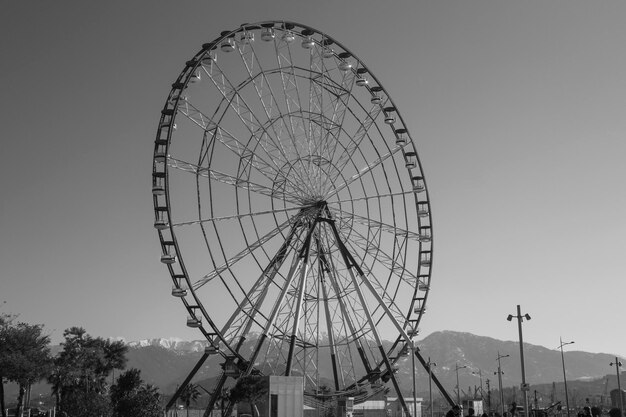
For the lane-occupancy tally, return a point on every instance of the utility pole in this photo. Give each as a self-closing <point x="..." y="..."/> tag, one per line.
<point x="619" y="386"/>
<point x="500" y="383"/>
<point x="564" y="375"/>
<point x="488" y="396"/>
<point x="458" y="387"/>
<point x="524" y="387"/>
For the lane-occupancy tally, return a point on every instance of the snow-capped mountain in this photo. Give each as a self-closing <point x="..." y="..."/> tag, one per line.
<point x="172" y="343"/>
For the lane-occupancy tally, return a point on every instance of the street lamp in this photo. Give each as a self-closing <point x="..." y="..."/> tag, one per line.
<point x="480" y="375"/>
<point x="524" y="386"/>
<point x="458" y="387"/>
<point x="430" y="384"/>
<point x="413" y="347"/>
<point x="619" y="386"/>
<point x="564" y="378"/>
<point x="500" y="382"/>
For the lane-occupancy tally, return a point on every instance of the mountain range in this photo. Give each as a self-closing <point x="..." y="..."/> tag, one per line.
<point x="166" y="362"/>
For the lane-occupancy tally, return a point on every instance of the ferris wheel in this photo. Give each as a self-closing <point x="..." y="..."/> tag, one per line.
<point x="292" y="210"/>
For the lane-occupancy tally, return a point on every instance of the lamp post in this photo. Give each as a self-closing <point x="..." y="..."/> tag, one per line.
<point x="414" y="385"/>
<point x="524" y="386"/>
<point x="458" y="387"/>
<point x="619" y="386"/>
<point x="500" y="382"/>
<point x="564" y="377"/>
<point x="480" y="375"/>
<point x="430" y="385"/>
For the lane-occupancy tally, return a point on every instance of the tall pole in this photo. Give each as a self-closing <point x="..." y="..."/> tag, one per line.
<point x="488" y="396"/>
<point x="524" y="386"/>
<point x="458" y="387"/>
<point x="564" y="377"/>
<point x="430" y="385"/>
<point x="414" y="385"/>
<point x="521" y="352"/>
<point x="500" y="383"/>
<point x="619" y="386"/>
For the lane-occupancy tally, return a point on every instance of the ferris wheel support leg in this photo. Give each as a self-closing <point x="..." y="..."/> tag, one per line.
<point x="344" y="312"/>
<point x="216" y="394"/>
<point x="350" y="263"/>
<point x="182" y="386"/>
<point x="270" y="322"/>
<point x="434" y="378"/>
<point x="296" y="321"/>
<point x="267" y="276"/>
<point x="379" y="299"/>
<point x="368" y="284"/>
<point x="329" y="324"/>
<point x="304" y="255"/>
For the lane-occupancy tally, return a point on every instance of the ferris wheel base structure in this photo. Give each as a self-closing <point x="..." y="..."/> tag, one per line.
<point x="292" y="212"/>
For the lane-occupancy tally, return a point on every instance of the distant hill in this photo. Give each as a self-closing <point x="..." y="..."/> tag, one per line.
<point x="585" y="371"/>
<point x="166" y="362"/>
<point x="542" y="365"/>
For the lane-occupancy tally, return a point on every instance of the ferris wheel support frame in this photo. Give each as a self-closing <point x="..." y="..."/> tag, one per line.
<point x="354" y="320"/>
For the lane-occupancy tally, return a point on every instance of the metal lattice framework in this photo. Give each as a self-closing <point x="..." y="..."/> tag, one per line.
<point x="292" y="210"/>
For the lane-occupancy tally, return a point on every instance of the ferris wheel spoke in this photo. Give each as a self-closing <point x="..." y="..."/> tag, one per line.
<point x="327" y="103"/>
<point x="316" y="125"/>
<point x="356" y="139"/>
<point x="256" y="296"/>
<point x="196" y="116"/>
<point x="365" y="170"/>
<point x="230" y="180"/>
<point x="238" y="216"/>
<point x="395" y="265"/>
<point x="382" y="290"/>
<point x="296" y="113"/>
<point x="372" y="246"/>
<point x="371" y="197"/>
<point x="345" y="216"/>
<point x="265" y="93"/>
<point x="248" y="250"/>
<point x="227" y="139"/>
<point x="270" y="144"/>
<point x="339" y="96"/>
<point x="291" y="92"/>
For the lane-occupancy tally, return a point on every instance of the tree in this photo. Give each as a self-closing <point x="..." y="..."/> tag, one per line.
<point x="25" y="356"/>
<point x="190" y="395"/>
<point x="251" y="389"/>
<point x="131" y="397"/>
<point x="5" y="321"/>
<point x="81" y="369"/>
<point x="78" y="403"/>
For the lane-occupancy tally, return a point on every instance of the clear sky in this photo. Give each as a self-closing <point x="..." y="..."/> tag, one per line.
<point x="517" y="108"/>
